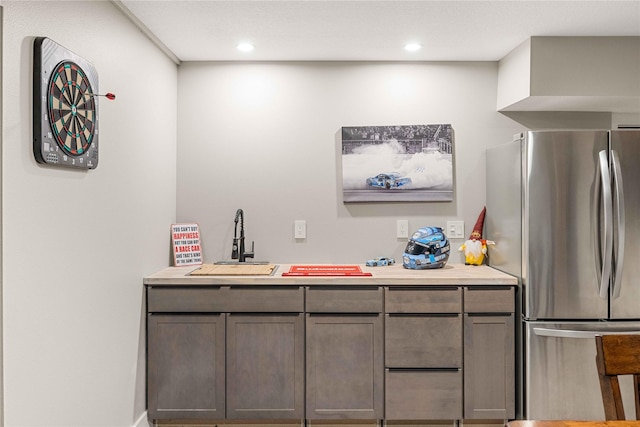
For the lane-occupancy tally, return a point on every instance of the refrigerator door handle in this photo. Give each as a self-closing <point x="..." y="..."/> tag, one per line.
<point x="607" y="245"/>
<point x="567" y="333"/>
<point x="620" y="222"/>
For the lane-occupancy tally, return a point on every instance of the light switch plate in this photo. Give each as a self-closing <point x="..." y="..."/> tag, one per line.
<point x="402" y="229"/>
<point x="455" y="229"/>
<point x="300" y="229"/>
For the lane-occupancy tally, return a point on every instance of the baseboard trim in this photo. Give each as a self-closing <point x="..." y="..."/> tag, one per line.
<point x="142" y="421"/>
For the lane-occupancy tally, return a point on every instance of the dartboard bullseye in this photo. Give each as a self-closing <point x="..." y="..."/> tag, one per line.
<point x="65" y="107"/>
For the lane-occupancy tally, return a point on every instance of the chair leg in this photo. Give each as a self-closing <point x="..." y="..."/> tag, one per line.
<point x="615" y="388"/>
<point x="611" y="411"/>
<point x="636" y="391"/>
<point x="609" y="388"/>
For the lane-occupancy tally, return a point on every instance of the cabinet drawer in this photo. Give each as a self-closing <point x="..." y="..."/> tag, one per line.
<point x="489" y="300"/>
<point x="423" y="341"/>
<point x="186" y="300"/>
<point x="439" y="300"/>
<point x="423" y="395"/>
<point x="333" y="300"/>
<point x="224" y="299"/>
<point x="261" y="299"/>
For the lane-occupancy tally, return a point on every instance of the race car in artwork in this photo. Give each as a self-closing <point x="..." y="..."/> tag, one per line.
<point x="380" y="262"/>
<point x="388" y="180"/>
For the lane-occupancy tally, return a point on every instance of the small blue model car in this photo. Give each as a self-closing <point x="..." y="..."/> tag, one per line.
<point x="380" y="262"/>
<point x="388" y="180"/>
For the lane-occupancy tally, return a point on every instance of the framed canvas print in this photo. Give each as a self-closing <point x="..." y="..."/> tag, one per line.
<point x="408" y="163"/>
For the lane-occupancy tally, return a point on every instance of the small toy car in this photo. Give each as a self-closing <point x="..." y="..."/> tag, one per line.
<point x="380" y="262"/>
<point x="388" y="180"/>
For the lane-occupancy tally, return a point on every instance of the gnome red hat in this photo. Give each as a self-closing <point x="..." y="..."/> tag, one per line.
<point x="476" y="234"/>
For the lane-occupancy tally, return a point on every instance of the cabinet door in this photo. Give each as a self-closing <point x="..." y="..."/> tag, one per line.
<point x="489" y="378"/>
<point x="344" y="367"/>
<point x="186" y="366"/>
<point x="265" y="366"/>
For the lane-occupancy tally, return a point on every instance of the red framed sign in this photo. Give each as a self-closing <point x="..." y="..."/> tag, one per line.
<point x="185" y="243"/>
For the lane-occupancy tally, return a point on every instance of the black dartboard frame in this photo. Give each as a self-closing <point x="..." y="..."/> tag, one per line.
<point x="65" y="108"/>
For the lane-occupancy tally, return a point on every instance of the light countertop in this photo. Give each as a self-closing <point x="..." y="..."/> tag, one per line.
<point x="450" y="274"/>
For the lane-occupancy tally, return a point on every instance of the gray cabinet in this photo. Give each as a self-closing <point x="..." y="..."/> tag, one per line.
<point x="344" y="354"/>
<point x="265" y="366"/>
<point x="186" y="366"/>
<point x="240" y="357"/>
<point x="265" y="352"/>
<point x="489" y="357"/>
<point x="330" y="353"/>
<point x="423" y="353"/>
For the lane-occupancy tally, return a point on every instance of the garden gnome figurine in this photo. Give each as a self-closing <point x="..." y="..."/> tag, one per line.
<point x="475" y="248"/>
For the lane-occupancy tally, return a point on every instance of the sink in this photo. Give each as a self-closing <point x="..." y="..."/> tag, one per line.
<point x="232" y="262"/>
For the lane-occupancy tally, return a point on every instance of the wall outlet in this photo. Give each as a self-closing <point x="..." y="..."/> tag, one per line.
<point x="402" y="229"/>
<point x="300" y="229"/>
<point x="455" y="229"/>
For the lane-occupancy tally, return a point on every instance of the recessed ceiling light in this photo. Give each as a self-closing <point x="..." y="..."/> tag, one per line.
<point x="412" y="47"/>
<point x="245" y="47"/>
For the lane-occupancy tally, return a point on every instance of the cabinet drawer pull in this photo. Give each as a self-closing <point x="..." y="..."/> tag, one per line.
<point x="501" y="314"/>
<point x="264" y="287"/>
<point x="489" y="288"/>
<point x="423" y="288"/>
<point x="327" y="314"/>
<point x="423" y="314"/>
<point x="343" y="288"/>
<point x="423" y="369"/>
<point x="183" y="314"/>
<point x="286" y="313"/>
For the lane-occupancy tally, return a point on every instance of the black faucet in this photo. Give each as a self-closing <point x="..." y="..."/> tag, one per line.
<point x="237" y="250"/>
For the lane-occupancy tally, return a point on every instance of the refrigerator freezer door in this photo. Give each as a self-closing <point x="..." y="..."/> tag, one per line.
<point x="625" y="301"/>
<point x="561" y="379"/>
<point x="562" y="210"/>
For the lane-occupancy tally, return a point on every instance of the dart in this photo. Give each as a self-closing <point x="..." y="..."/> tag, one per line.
<point x="107" y="95"/>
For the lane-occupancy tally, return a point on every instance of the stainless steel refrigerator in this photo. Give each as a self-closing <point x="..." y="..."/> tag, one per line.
<point x="564" y="210"/>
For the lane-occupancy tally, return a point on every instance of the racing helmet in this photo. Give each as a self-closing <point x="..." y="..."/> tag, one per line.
<point x="427" y="248"/>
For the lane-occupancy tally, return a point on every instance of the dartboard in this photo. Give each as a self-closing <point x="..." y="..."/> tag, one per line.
<point x="72" y="109"/>
<point x="65" y="107"/>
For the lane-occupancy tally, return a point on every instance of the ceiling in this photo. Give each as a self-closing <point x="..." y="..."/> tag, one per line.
<point x="361" y="30"/>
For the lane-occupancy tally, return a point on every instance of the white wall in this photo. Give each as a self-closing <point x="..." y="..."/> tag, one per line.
<point x="265" y="137"/>
<point x="77" y="244"/>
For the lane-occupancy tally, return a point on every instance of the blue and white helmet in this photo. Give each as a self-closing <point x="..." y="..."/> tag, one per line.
<point x="427" y="248"/>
